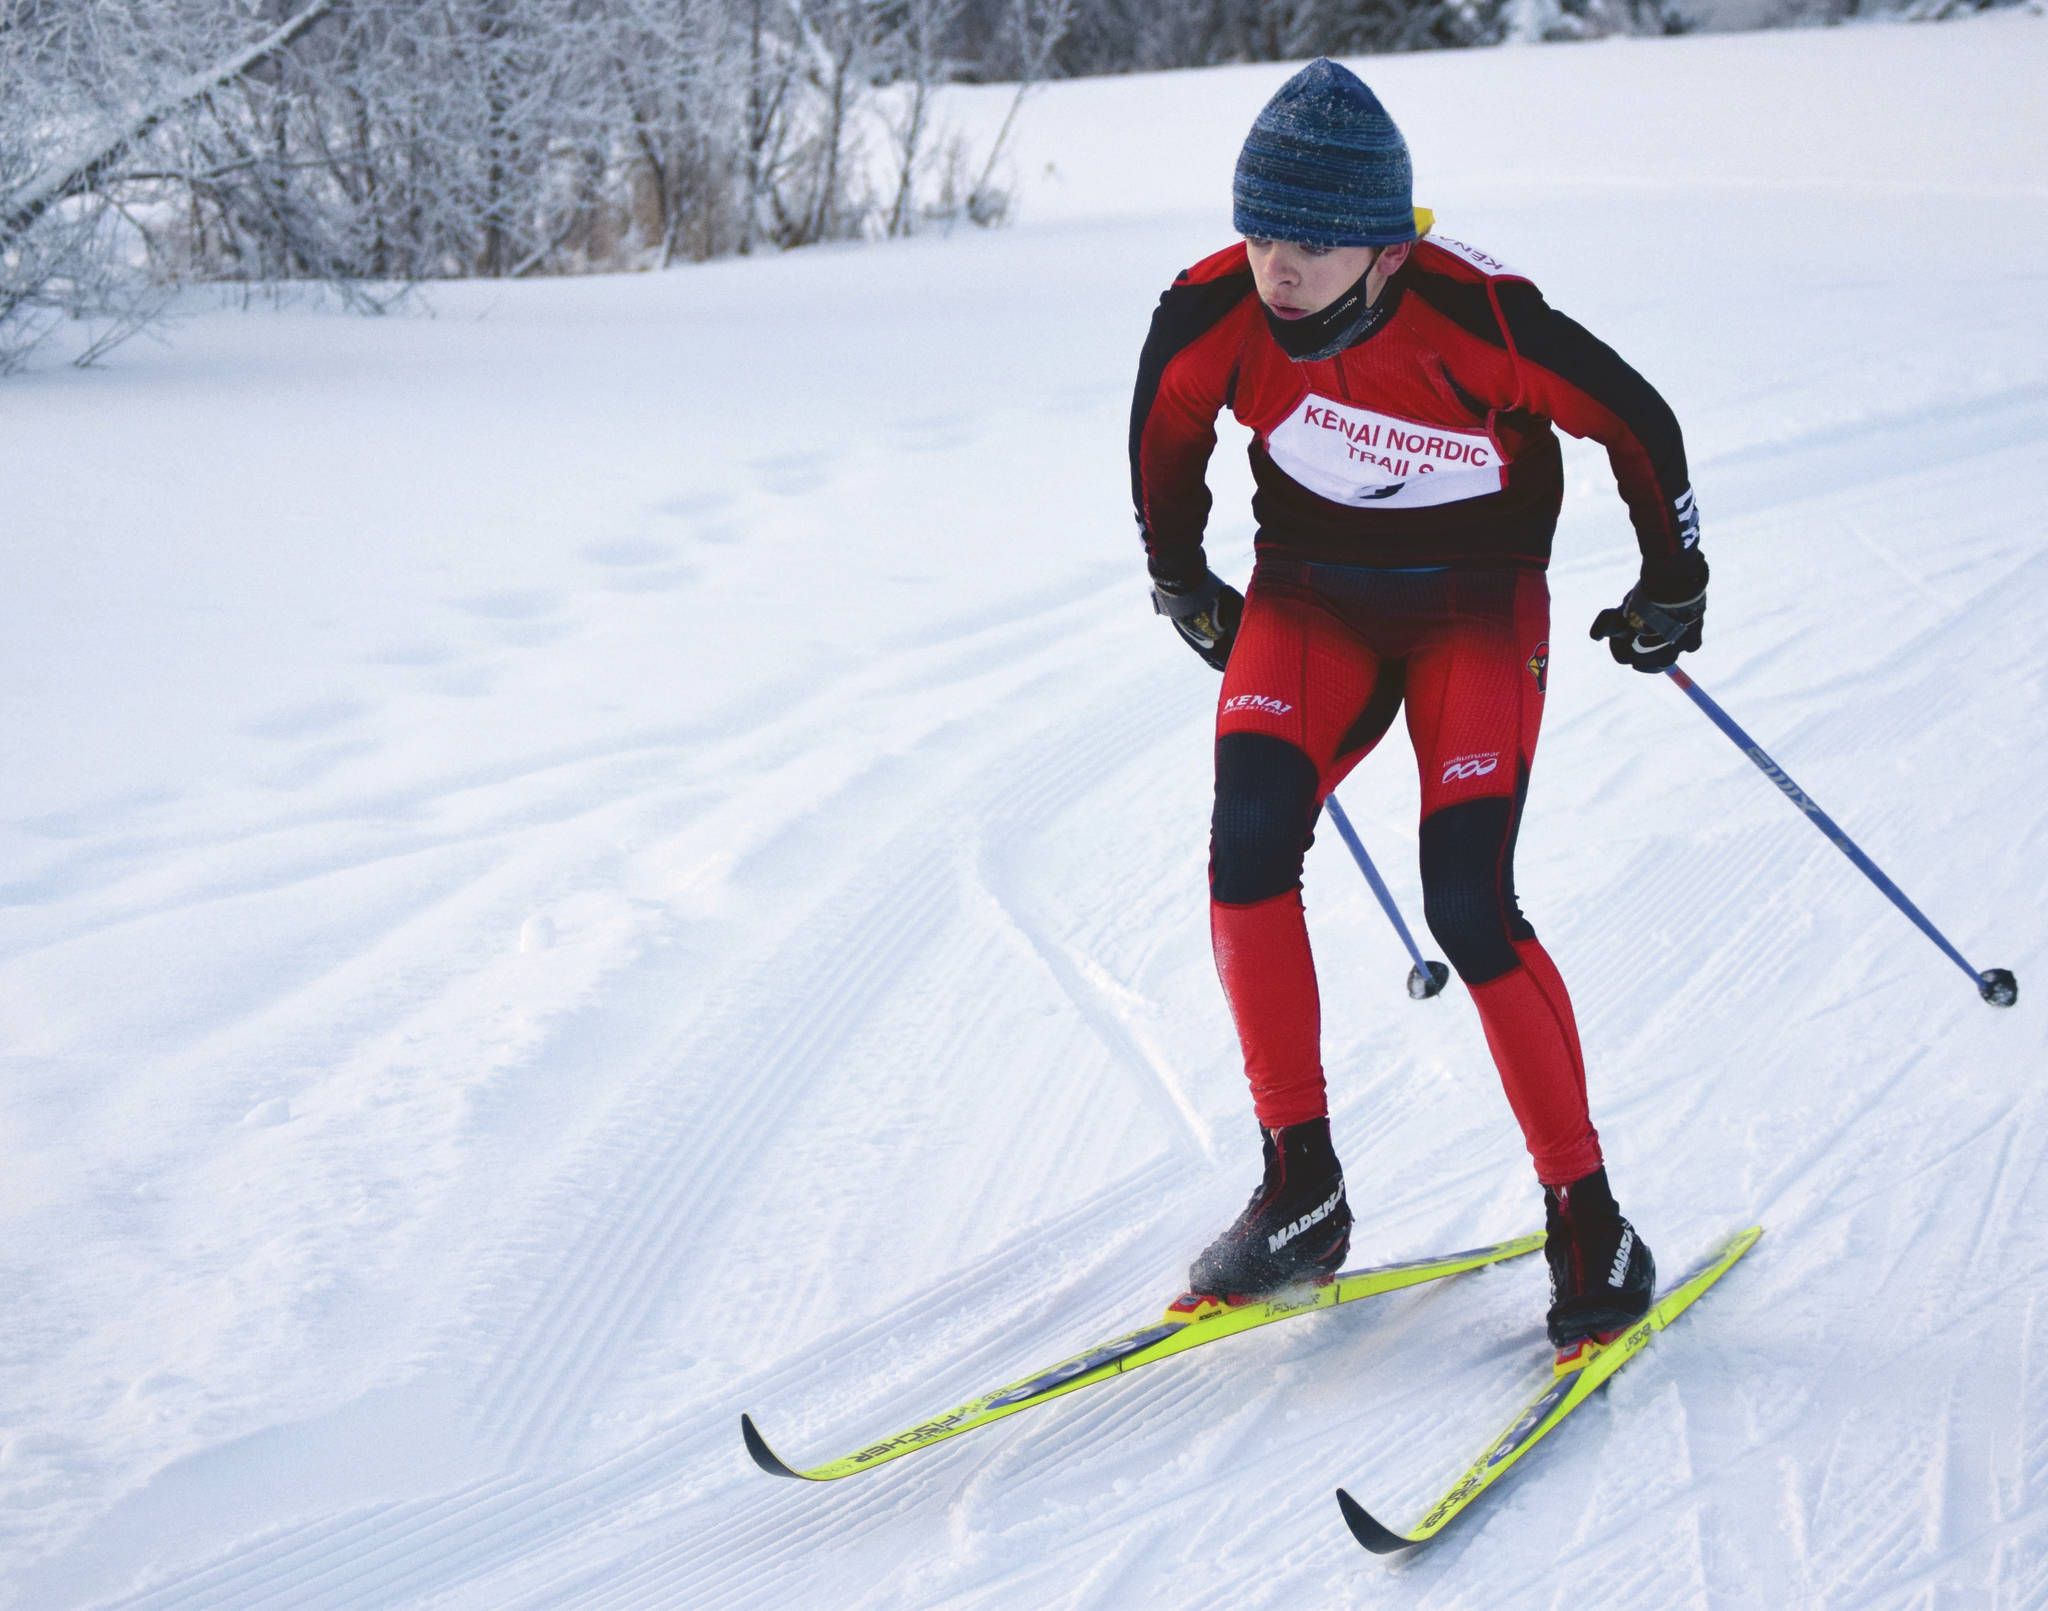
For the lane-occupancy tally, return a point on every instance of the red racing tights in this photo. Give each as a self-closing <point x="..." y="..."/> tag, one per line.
<point x="1325" y="658"/>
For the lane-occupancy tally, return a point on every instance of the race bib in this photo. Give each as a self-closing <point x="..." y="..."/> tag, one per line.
<point x="1354" y="456"/>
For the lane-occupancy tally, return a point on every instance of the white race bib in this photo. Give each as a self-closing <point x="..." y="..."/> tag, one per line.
<point x="1354" y="456"/>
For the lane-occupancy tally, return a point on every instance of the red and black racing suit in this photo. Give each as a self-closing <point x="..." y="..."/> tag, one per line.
<point x="1407" y="491"/>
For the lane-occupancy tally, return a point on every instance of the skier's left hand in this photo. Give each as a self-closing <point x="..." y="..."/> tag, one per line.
<point x="1650" y="634"/>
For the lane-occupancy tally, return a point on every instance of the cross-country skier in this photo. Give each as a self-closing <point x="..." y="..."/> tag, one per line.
<point x="1401" y="389"/>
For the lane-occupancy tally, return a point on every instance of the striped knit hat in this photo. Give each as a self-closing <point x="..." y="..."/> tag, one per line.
<point x="1325" y="166"/>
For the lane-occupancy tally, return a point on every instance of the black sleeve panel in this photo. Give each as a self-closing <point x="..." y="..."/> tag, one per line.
<point x="1580" y="382"/>
<point x="1464" y="302"/>
<point x="1173" y="425"/>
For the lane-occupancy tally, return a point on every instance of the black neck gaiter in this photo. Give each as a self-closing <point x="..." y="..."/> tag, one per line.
<point x="1344" y="323"/>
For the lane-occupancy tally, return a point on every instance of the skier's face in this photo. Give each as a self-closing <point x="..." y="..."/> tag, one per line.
<point x="1296" y="280"/>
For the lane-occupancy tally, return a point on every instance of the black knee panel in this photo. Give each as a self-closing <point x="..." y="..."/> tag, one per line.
<point x="1468" y="886"/>
<point x="1265" y="811"/>
<point x="1381" y="707"/>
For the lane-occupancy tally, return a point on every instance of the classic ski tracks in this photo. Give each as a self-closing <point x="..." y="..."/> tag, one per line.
<point x="551" y="1371"/>
<point x="616" y="1274"/>
<point x="856" y="948"/>
<point x="380" y="1555"/>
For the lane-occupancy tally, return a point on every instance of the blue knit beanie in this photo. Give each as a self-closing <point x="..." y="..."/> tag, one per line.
<point x="1325" y="166"/>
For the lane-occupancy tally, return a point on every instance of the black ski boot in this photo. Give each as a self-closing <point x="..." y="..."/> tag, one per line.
<point x="1295" y="1229"/>
<point x="1601" y="1275"/>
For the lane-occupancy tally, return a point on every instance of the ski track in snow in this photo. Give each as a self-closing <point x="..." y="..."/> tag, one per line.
<point x="520" y="962"/>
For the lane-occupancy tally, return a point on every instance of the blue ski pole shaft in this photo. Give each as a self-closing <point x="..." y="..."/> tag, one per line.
<point x="1428" y="977"/>
<point x="1995" y="985"/>
<point x="1372" y="875"/>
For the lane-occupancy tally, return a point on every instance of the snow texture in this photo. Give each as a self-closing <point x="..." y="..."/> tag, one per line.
<point x="631" y="849"/>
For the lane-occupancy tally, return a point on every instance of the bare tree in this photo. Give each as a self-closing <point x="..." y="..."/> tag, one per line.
<point x="841" y="45"/>
<point x="1035" y="29"/>
<point x="678" y="65"/>
<point x="918" y="51"/>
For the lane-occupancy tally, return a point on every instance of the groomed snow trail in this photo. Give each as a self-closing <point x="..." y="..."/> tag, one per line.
<point x="630" y="850"/>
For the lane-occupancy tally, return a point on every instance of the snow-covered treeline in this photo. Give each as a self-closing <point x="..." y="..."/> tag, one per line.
<point x="1117" y="36"/>
<point x="393" y="140"/>
<point x="374" y="142"/>
<point x="1114" y="36"/>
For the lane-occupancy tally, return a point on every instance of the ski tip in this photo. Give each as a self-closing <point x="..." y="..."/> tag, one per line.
<point x="1380" y="1540"/>
<point x="764" y="1457"/>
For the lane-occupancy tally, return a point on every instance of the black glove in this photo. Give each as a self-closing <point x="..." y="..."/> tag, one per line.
<point x="1649" y="634"/>
<point x="1206" y="615"/>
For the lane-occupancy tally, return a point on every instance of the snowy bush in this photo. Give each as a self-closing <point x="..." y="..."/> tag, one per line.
<point x="363" y="141"/>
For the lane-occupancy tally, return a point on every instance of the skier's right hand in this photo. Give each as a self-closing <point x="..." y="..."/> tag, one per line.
<point x="1206" y="615"/>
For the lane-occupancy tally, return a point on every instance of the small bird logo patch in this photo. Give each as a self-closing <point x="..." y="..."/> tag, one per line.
<point x="1539" y="667"/>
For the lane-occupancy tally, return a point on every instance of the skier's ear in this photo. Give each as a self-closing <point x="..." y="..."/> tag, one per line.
<point x="1392" y="257"/>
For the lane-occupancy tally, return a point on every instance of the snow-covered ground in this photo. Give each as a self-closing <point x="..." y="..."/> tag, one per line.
<point x="631" y="850"/>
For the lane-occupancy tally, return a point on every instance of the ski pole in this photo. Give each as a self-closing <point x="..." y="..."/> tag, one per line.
<point x="1425" y="979"/>
<point x="1995" y="985"/>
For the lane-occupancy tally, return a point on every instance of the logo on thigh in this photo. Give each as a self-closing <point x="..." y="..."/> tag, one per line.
<point x="1539" y="666"/>
<point x="1470" y="766"/>
<point x="1256" y="704"/>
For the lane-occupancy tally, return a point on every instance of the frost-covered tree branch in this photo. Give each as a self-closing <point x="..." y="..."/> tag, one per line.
<point x="21" y="206"/>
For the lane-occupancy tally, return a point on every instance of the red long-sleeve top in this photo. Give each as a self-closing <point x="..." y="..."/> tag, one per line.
<point x="1428" y="442"/>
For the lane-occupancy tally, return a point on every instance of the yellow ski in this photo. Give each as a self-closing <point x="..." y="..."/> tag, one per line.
<point x="1549" y="1407"/>
<point x="1173" y="1335"/>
